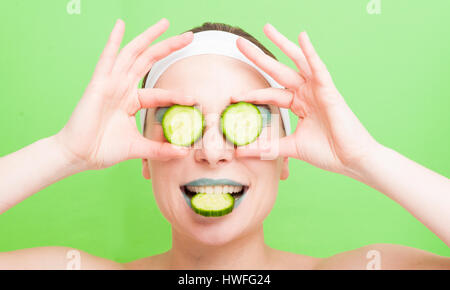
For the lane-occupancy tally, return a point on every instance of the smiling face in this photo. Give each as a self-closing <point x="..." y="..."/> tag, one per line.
<point x="212" y="80"/>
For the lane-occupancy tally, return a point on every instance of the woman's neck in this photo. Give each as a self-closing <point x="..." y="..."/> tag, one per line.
<point x="247" y="252"/>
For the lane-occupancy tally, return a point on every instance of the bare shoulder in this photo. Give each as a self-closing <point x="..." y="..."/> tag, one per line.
<point x="156" y="262"/>
<point x="54" y="258"/>
<point x="385" y="257"/>
<point x="283" y="260"/>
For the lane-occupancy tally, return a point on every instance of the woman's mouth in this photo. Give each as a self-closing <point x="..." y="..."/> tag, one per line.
<point x="216" y="187"/>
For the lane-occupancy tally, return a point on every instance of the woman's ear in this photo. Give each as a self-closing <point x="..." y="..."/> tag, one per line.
<point x="145" y="171"/>
<point x="285" y="169"/>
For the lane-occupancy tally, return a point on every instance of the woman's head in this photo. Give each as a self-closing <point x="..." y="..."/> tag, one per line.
<point x="212" y="80"/>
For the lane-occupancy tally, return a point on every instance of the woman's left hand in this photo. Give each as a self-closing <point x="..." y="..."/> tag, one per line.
<point x="328" y="135"/>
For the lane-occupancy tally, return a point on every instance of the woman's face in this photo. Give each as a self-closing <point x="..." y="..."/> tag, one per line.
<point x="212" y="80"/>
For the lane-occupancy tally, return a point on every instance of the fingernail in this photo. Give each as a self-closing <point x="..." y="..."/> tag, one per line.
<point x="243" y="39"/>
<point x="162" y="20"/>
<point x="186" y="33"/>
<point x="181" y="150"/>
<point x="117" y="22"/>
<point x="189" y="99"/>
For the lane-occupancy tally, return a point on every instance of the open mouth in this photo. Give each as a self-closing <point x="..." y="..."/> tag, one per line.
<point x="214" y="188"/>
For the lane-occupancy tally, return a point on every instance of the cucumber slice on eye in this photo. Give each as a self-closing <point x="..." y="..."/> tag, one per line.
<point x="212" y="204"/>
<point x="182" y="125"/>
<point x="241" y="123"/>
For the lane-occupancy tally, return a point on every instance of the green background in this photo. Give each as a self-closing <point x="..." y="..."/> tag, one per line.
<point x="392" y="68"/>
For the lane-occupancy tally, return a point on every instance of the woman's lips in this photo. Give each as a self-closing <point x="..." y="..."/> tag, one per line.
<point x="210" y="186"/>
<point x="210" y="181"/>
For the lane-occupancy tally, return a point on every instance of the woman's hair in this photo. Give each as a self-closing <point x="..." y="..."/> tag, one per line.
<point x="227" y="28"/>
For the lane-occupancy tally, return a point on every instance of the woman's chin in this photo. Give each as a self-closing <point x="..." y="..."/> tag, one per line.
<point x="215" y="231"/>
<point x="215" y="234"/>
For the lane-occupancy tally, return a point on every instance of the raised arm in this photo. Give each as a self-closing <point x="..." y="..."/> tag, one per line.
<point x="102" y="129"/>
<point x="100" y="133"/>
<point x="33" y="168"/>
<point x="329" y="135"/>
<point x="424" y="193"/>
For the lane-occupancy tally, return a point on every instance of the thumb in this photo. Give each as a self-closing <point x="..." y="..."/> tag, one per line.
<point x="261" y="148"/>
<point x="145" y="148"/>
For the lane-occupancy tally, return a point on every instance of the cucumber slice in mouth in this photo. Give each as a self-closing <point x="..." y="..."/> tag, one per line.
<point x="241" y="123"/>
<point x="182" y="125"/>
<point x="213" y="204"/>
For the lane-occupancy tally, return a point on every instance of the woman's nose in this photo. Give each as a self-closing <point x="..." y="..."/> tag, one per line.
<point x="213" y="150"/>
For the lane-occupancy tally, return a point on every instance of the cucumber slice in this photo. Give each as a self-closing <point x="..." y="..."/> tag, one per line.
<point x="212" y="204"/>
<point x="241" y="123"/>
<point x="182" y="125"/>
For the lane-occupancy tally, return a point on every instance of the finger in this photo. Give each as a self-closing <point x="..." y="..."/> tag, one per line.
<point x="146" y="148"/>
<point x="283" y="74"/>
<point x="274" y="96"/>
<point x="318" y="68"/>
<point x="108" y="56"/>
<point x="280" y="147"/>
<point x="132" y="50"/>
<point x="158" y="51"/>
<point x="283" y="98"/>
<point x="155" y="97"/>
<point x="293" y="51"/>
<point x="257" y="149"/>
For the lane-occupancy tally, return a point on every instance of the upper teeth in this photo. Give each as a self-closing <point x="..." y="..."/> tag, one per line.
<point x="215" y="189"/>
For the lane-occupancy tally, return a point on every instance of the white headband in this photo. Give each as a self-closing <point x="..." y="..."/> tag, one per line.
<point x="210" y="42"/>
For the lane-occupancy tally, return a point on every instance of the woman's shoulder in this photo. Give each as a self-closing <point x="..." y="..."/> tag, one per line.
<point x="156" y="262"/>
<point x="384" y="257"/>
<point x="370" y="257"/>
<point x="283" y="260"/>
<point x="53" y="258"/>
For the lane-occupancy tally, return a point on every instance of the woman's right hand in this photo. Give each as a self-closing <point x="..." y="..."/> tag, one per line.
<point x="102" y="130"/>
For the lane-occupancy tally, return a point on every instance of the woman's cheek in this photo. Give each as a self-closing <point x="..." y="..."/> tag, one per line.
<point x="258" y="166"/>
<point x="157" y="133"/>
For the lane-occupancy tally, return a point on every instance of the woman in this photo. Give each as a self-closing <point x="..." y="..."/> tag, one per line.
<point x="102" y="132"/>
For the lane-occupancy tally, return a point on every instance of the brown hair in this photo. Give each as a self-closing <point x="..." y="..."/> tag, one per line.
<point x="227" y="28"/>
